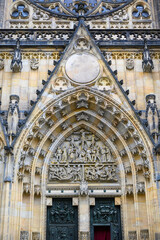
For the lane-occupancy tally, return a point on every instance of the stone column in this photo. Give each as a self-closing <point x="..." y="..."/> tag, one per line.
<point x="157" y="12"/>
<point x="84" y="217"/>
<point x="2" y="6"/>
<point x="6" y="195"/>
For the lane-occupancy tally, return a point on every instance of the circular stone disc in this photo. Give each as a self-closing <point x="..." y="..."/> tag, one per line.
<point x="82" y="67"/>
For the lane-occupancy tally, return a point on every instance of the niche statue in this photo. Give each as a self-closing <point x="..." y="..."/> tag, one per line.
<point x="147" y="63"/>
<point x="16" y="64"/>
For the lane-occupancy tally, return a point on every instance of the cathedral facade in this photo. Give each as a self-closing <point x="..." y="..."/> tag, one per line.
<point x="79" y="120"/>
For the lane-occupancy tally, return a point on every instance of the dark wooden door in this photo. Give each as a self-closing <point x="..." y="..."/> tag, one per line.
<point x="62" y="220"/>
<point x="106" y="214"/>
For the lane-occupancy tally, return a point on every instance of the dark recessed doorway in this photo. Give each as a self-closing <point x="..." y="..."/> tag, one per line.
<point x="102" y="233"/>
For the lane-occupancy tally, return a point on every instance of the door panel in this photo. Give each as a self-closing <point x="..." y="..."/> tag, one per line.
<point x="62" y="220"/>
<point x="105" y="213"/>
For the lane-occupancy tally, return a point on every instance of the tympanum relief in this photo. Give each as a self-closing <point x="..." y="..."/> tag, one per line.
<point x="83" y="156"/>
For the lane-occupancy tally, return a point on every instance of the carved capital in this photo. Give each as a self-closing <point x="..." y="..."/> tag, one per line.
<point x="132" y="235"/>
<point x="24" y="235"/>
<point x="144" y="234"/>
<point x="84" y="235"/>
<point x="35" y="236"/>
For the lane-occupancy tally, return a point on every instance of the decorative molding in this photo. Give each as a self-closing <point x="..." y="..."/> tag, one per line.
<point x="62" y="36"/>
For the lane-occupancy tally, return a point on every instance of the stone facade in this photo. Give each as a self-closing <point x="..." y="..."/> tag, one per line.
<point x="79" y="120"/>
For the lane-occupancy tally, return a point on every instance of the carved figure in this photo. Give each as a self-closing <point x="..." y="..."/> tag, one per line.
<point x="24" y="235"/>
<point x="147" y="63"/>
<point x="35" y="236"/>
<point x="13" y="115"/>
<point x="144" y="234"/>
<point x="152" y="115"/>
<point x="16" y="64"/>
<point x="100" y="172"/>
<point x="64" y="173"/>
<point x="130" y="63"/>
<point x="132" y="235"/>
<point x="84" y="188"/>
<point x="34" y="64"/>
<point x="82" y="147"/>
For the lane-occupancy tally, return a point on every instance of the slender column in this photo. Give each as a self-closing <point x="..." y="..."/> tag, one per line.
<point x="2" y="5"/>
<point x="6" y="201"/>
<point x="157" y="11"/>
<point x="84" y="217"/>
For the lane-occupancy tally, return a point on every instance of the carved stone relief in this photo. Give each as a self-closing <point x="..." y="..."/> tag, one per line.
<point x="141" y="187"/>
<point x="24" y="235"/>
<point x="35" y="236"/>
<point x="34" y="64"/>
<point x="1" y="64"/>
<point x="82" y="156"/>
<point x="13" y="115"/>
<point x="147" y="63"/>
<point x="16" y="64"/>
<point x="84" y="235"/>
<point x="39" y="15"/>
<point x="130" y="63"/>
<point x="84" y="188"/>
<point x="82" y="44"/>
<point x="60" y="83"/>
<point x="132" y="235"/>
<point x="144" y="234"/>
<point x="129" y="189"/>
<point x="101" y="172"/>
<point x="121" y="15"/>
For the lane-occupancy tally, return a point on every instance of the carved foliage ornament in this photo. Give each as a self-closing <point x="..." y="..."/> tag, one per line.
<point x="75" y="9"/>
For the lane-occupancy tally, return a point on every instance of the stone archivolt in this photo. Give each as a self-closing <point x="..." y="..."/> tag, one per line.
<point x="82" y="155"/>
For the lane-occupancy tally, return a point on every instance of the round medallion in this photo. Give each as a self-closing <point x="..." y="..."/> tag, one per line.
<point x="82" y="67"/>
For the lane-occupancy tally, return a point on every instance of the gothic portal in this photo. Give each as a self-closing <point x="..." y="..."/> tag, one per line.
<point x="80" y="120"/>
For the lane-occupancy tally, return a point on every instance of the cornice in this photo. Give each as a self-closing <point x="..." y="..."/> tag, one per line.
<point x="130" y="38"/>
